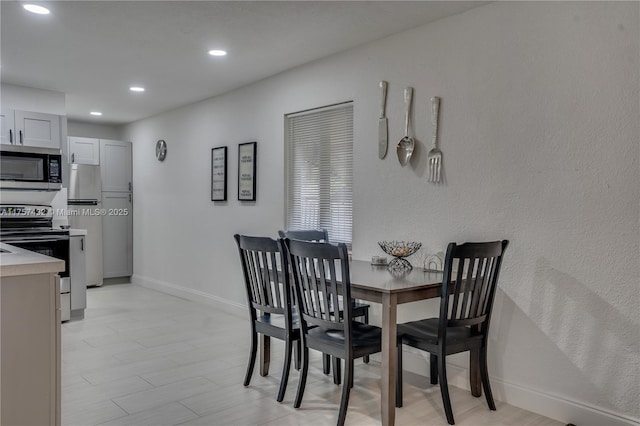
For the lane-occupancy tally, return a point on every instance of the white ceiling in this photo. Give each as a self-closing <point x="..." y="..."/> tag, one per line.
<point x="94" y="50"/>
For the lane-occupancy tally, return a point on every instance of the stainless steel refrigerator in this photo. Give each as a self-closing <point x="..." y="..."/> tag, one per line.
<point x="85" y="212"/>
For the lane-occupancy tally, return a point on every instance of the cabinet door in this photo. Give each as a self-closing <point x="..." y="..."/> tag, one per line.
<point x="7" y="130"/>
<point x="84" y="151"/>
<point x="115" y="166"/>
<point x="117" y="234"/>
<point x="78" y="272"/>
<point x="37" y="129"/>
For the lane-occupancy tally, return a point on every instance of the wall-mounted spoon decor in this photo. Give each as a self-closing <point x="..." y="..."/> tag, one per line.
<point x="406" y="145"/>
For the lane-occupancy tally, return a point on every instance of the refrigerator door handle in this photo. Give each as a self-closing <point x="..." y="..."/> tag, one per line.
<point x="82" y="202"/>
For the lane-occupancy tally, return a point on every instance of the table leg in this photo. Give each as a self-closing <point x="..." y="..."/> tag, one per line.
<point x="474" y="373"/>
<point x="389" y="359"/>
<point x="265" y="354"/>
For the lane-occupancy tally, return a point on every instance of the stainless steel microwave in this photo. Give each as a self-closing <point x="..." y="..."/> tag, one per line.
<point x="30" y="168"/>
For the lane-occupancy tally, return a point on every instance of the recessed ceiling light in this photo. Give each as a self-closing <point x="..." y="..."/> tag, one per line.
<point x="216" y="52"/>
<point x="34" y="8"/>
<point x="136" y="89"/>
<point x="95" y="113"/>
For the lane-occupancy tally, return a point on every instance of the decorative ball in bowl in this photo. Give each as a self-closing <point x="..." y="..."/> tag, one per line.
<point x="399" y="250"/>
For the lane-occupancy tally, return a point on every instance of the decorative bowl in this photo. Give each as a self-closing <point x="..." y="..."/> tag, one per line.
<point x="399" y="250"/>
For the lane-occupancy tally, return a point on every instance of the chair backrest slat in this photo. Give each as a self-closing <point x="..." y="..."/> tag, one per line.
<point x="467" y="299"/>
<point x="317" y="283"/>
<point x="268" y="289"/>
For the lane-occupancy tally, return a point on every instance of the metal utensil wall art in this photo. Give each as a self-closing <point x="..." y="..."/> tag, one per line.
<point x="383" y="132"/>
<point x="434" y="157"/>
<point x="406" y="145"/>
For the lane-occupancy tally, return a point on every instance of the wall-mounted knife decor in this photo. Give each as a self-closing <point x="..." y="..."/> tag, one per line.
<point x="383" y="131"/>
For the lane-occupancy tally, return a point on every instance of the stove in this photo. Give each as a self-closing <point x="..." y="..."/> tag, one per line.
<point x="29" y="226"/>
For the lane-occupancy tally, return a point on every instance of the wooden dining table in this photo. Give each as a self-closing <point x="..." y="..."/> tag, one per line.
<point x="391" y="288"/>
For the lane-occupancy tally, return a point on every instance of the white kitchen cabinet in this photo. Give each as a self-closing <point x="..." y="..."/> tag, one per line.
<point x="37" y="129"/>
<point x="116" y="166"/>
<point x="78" y="275"/>
<point x="31" y="350"/>
<point x="7" y="128"/>
<point x="117" y="234"/>
<point x="84" y="150"/>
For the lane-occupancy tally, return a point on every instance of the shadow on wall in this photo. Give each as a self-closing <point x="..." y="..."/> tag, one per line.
<point x="588" y="338"/>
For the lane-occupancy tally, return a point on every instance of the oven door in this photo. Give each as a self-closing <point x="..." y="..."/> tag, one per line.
<point x="57" y="247"/>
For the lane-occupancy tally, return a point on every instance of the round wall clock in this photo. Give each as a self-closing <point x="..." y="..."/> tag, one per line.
<point x="161" y="150"/>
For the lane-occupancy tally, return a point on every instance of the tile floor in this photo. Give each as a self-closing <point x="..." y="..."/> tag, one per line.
<point x="141" y="357"/>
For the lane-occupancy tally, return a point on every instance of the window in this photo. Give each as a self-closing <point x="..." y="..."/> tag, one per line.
<point x="319" y="170"/>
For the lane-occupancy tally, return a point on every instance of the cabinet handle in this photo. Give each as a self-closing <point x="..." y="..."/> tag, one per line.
<point x="21" y="139"/>
<point x="81" y="244"/>
<point x="10" y="136"/>
<point x="73" y="157"/>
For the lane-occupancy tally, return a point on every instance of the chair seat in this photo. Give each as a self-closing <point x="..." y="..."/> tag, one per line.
<point x="277" y="320"/>
<point x="423" y="334"/>
<point x="366" y="339"/>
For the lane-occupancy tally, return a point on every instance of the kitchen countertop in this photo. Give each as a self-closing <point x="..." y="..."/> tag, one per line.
<point x="77" y="232"/>
<point x="15" y="261"/>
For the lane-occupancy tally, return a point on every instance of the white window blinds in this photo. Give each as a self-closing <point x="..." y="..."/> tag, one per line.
<point x="319" y="170"/>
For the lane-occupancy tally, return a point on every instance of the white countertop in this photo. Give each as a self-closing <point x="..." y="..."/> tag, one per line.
<point x="16" y="261"/>
<point x="77" y="232"/>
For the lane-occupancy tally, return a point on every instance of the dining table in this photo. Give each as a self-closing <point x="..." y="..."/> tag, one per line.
<point x="390" y="288"/>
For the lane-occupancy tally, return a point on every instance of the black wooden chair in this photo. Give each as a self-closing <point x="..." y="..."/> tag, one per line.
<point x="269" y="299"/>
<point x="317" y="268"/>
<point x="468" y="289"/>
<point x="359" y="309"/>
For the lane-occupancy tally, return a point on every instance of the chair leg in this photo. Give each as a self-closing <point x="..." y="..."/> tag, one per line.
<point x="344" y="402"/>
<point x="351" y="375"/>
<point x="484" y="374"/>
<point x="444" y="387"/>
<point x="336" y="370"/>
<point x="399" y="375"/>
<point x="303" y="377"/>
<point x="298" y="353"/>
<point x="252" y="358"/>
<point x="365" y="359"/>
<point x="433" y="363"/>
<point x="285" y="370"/>
<point x="326" y="363"/>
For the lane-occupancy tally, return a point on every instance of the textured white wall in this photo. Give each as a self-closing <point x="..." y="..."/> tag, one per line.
<point x="540" y="134"/>
<point x="94" y="130"/>
<point x="30" y="99"/>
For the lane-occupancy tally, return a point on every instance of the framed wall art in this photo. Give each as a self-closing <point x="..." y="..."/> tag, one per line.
<point x="219" y="173"/>
<point x="247" y="171"/>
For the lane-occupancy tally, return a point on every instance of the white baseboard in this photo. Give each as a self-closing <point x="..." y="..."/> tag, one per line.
<point x="224" y="305"/>
<point x="552" y="406"/>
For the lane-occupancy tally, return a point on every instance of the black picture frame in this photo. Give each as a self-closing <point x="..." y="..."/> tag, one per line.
<point x="247" y="171"/>
<point x="219" y="173"/>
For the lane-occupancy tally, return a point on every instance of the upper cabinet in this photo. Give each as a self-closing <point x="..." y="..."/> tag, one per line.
<point x="34" y="129"/>
<point x="37" y="129"/>
<point x="7" y="129"/>
<point x="84" y="150"/>
<point x="116" y="166"/>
